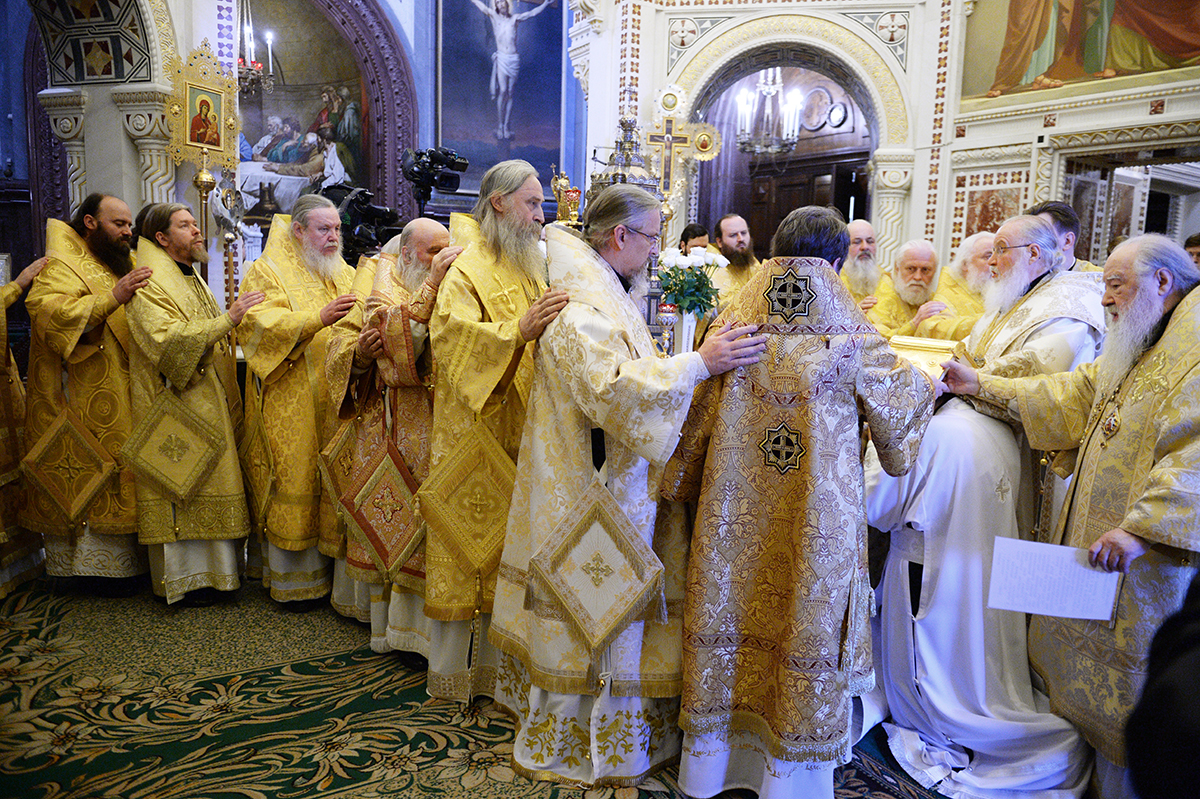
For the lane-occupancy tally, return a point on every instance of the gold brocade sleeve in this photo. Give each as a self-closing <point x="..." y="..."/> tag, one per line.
<point x="398" y="366"/>
<point x="477" y="354"/>
<point x="10" y="293"/>
<point x="891" y="315"/>
<point x="176" y="345"/>
<point x="683" y="473"/>
<point x="1165" y="511"/>
<point x="641" y="402"/>
<point x="342" y="363"/>
<point x="896" y="399"/>
<point x="949" y="328"/>
<point x="1054" y="409"/>
<point x="65" y="313"/>
<point x="272" y="333"/>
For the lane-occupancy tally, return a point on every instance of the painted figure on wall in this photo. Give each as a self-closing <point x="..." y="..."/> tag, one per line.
<point x="506" y="61"/>
<point x="1048" y="43"/>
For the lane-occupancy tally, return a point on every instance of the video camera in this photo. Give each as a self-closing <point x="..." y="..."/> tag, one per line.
<point x="432" y="169"/>
<point x="365" y="227"/>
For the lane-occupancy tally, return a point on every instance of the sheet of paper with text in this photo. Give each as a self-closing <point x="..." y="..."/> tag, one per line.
<point x="1050" y="580"/>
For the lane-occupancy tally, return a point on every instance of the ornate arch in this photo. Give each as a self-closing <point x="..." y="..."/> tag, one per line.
<point x="822" y="43"/>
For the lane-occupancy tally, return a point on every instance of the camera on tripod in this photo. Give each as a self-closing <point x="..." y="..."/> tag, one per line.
<point x="432" y="169"/>
<point x="365" y="227"/>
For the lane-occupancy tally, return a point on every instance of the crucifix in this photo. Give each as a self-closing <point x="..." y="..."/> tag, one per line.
<point x="668" y="142"/>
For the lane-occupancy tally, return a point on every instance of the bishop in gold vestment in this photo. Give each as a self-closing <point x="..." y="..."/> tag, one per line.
<point x="183" y="348"/>
<point x="21" y="553"/>
<point x="776" y="641"/>
<point x="285" y="340"/>
<point x="1128" y="427"/>
<point x="79" y="362"/>
<point x="589" y="596"/>
<point x="907" y="298"/>
<point x="484" y="373"/>
<point x="960" y="287"/>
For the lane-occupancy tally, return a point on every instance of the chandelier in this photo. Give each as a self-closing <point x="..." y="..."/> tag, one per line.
<point x="767" y="121"/>
<point x="252" y="79"/>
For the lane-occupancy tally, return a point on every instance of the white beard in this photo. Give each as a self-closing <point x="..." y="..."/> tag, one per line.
<point x="976" y="283"/>
<point x="639" y="285"/>
<point x="1127" y="339"/>
<point x="914" y="292"/>
<point x="1002" y="293"/>
<point x="862" y="275"/>
<point x="410" y="274"/>
<point x="326" y="267"/>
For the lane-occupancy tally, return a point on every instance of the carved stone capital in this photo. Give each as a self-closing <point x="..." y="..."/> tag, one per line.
<point x="143" y="112"/>
<point x="893" y="170"/>
<point x="65" y="108"/>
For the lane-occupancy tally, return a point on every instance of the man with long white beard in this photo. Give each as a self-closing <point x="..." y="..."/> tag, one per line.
<point x="183" y="354"/>
<point x="861" y="273"/>
<point x="591" y="637"/>
<point x="965" y="715"/>
<point x="284" y="339"/>
<point x="907" y="299"/>
<point x="1127" y="426"/>
<point x="381" y="381"/>
<point x="491" y="308"/>
<point x="732" y="240"/>
<point x="961" y="286"/>
<point x="79" y="367"/>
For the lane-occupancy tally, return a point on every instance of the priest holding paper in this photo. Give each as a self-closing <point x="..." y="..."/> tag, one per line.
<point x="1127" y="426"/>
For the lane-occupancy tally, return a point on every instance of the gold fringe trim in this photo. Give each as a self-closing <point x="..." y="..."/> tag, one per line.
<point x="741" y="721"/>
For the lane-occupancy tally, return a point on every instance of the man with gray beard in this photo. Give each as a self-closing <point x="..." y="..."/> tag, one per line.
<point x="961" y="286"/>
<point x="965" y="714"/>
<point x="1129" y="428"/>
<point x="906" y="300"/>
<point x="288" y="413"/>
<point x="861" y="273"/>
<point x="491" y="308"/>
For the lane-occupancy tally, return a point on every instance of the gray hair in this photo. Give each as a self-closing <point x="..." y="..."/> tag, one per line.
<point x="278" y="120"/>
<point x="616" y="205"/>
<point x="307" y="203"/>
<point x="158" y="219"/>
<point x="501" y="180"/>
<point x="1036" y="230"/>
<point x="958" y="266"/>
<point x="1154" y="252"/>
<point x="812" y="232"/>
<point x="917" y="248"/>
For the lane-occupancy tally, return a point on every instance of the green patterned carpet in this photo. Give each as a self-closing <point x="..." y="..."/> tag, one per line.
<point x="129" y="698"/>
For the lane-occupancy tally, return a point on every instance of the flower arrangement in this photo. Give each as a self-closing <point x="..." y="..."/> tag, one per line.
<point x="686" y="281"/>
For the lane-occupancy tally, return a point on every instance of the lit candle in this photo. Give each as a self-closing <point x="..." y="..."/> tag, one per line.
<point x="851" y="207"/>
<point x="270" y="37"/>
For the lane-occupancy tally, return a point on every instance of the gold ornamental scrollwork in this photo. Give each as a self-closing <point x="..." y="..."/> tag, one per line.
<point x="202" y="111"/>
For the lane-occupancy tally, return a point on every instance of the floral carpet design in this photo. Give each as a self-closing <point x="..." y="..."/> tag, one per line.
<point x="345" y="724"/>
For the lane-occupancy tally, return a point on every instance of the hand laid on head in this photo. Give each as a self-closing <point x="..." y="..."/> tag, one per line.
<point x="731" y="347"/>
<point x="441" y="263"/>
<point x="370" y="344"/>
<point x="30" y="272"/>
<point x="867" y="303"/>
<point x="128" y="285"/>
<point x="929" y="309"/>
<point x="541" y="313"/>
<point x="337" y="308"/>
<point x="1116" y="550"/>
<point x="959" y="379"/>
<point x="244" y="303"/>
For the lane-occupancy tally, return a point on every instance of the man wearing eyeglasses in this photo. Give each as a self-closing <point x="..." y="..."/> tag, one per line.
<point x="956" y="673"/>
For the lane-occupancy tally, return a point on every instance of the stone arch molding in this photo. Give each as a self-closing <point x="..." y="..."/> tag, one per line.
<point x="833" y="46"/>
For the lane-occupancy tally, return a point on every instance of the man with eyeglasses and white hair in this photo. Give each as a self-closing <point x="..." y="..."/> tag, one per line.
<point x="965" y="715"/>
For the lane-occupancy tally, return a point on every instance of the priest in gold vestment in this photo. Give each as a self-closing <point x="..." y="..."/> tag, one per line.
<point x="966" y="716"/>
<point x="731" y="238"/>
<point x="587" y="610"/>
<point x="183" y="348"/>
<point x="21" y="553"/>
<point x="907" y="298"/>
<point x="79" y="362"/>
<point x="1128" y="427"/>
<point x="960" y="287"/>
<point x="491" y="308"/>
<point x="284" y="339"/>
<point x="776" y="640"/>
<point x="861" y="272"/>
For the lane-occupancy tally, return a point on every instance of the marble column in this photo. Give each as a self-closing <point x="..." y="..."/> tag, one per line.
<point x="893" y="173"/>
<point x="144" y="115"/>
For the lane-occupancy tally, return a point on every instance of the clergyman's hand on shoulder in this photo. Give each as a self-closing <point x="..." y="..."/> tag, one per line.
<point x="731" y="347"/>
<point x="128" y="285"/>
<point x="27" y="274"/>
<point x="337" y="308"/>
<point x="441" y="264"/>
<point x="541" y="313"/>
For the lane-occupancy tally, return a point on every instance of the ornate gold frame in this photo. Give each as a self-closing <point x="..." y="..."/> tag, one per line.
<point x="202" y="79"/>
